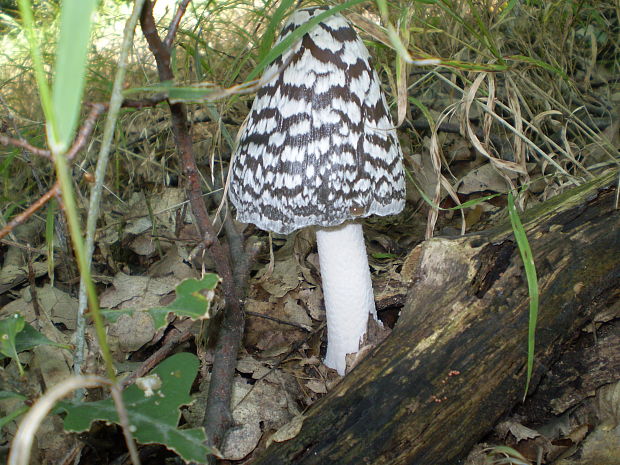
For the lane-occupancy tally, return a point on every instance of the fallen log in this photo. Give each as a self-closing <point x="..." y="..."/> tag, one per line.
<point x="456" y="360"/>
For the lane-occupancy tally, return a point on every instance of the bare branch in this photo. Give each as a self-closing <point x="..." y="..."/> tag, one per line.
<point x="174" y="24"/>
<point x="22" y="217"/>
<point x="218" y="417"/>
<point x="10" y="141"/>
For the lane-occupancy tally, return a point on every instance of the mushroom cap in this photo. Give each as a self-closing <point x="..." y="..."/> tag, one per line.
<point x="319" y="147"/>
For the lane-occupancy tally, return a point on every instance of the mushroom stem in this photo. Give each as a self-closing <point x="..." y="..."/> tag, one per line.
<point x="347" y="289"/>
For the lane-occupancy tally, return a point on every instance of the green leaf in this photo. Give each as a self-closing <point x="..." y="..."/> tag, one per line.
<point x="29" y="338"/>
<point x="12" y="416"/>
<point x="532" y="283"/>
<point x="507" y="455"/>
<point x="4" y="395"/>
<point x="17" y="336"/>
<point x="112" y="315"/>
<point x="382" y="255"/>
<point x="9" y="328"/>
<point x="193" y="299"/>
<point x="70" y="70"/>
<point x="153" y="418"/>
<point x="540" y="64"/>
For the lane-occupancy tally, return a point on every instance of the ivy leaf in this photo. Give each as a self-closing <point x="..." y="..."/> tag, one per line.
<point x="193" y="299"/>
<point x="153" y="411"/>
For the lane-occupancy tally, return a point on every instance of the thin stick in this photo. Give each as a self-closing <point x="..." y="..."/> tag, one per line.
<point x="23" y="216"/>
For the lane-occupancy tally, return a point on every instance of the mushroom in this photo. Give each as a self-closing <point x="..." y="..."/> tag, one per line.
<point x="319" y="149"/>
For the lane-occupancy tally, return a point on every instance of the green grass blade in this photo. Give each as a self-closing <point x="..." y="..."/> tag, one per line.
<point x="270" y="33"/>
<point x="540" y="64"/>
<point x="532" y="283"/>
<point x="279" y="49"/>
<point x="485" y="34"/>
<point x="70" y="70"/>
<point x="25" y="9"/>
<point x="425" y="111"/>
<point x="507" y="8"/>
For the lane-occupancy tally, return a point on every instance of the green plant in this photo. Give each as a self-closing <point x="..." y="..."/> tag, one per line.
<point x="18" y="336"/>
<point x="193" y="299"/>
<point x="532" y="284"/>
<point x="152" y="405"/>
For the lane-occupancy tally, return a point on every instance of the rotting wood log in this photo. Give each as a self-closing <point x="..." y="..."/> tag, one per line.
<point x="456" y="360"/>
<point x="590" y="363"/>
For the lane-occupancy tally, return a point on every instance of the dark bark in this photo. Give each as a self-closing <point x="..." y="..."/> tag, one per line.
<point x="592" y="362"/>
<point x="456" y="360"/>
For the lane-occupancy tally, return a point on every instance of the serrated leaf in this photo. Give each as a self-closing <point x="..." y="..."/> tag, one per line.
<point x="153" y="418"/>
<point x="193" y="299"/>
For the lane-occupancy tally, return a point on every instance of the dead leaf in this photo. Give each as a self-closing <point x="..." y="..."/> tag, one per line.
<point x="608" y="405"/>
<point x="485" y="178"/>
<point x="138" y="292"/>
<point x="285" y="277"/>
<point x="143" y="245"/>
<point x="249" y="365"/>
<point x="132" y="331"/>
<point x="515" y="428"/>
<point x="12" y="275"/>
<point x="60" y="306"/>
<point x="173" y="263"/>
<point x="288" y="431"/>
<point x="312" y="298"/>
<point x="295" y="313"/>
<point x="257" y="407"/>
<point x="316" y="386"/>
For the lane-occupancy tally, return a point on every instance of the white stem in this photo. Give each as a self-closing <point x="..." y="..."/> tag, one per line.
<point x="347" y="289"/>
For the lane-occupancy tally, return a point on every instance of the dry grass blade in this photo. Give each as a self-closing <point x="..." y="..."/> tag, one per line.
<point x="468" y="98"/>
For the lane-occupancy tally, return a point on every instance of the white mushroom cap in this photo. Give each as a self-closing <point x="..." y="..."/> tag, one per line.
<point x="319" y="147"/>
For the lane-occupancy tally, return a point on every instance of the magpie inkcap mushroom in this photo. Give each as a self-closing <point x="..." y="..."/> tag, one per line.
<point x="319" y="149"/>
